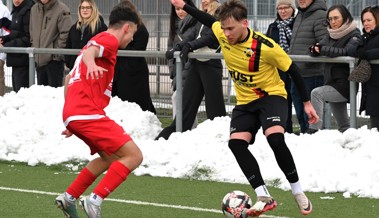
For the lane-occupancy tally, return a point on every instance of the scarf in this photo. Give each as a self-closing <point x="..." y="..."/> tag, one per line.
<point x="285" y="33"/>
<point x="343" y="30"/>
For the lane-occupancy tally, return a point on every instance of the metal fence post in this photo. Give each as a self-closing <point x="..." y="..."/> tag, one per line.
<point x="179" y="93"/>
<point x="32" y="67"/>
<point x="353" y="100"/>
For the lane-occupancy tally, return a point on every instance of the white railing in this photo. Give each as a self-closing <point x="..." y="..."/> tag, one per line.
<point x="161" y="54"/>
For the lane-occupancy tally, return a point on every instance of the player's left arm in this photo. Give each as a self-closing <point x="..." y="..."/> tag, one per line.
<point x="66" y="80"/>
<point x="89" y="55"/>
<point x="293" y="71"/>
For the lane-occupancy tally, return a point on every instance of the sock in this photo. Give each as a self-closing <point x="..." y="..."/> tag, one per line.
<point x="95" y="199"/>
<point x="81" y="183"/>
<point x="116" y="174"/>
<point x="69" y="197"/>
<point x="247" y="162"/>
<point x="262" y="191"/>
<point x="283" y="156"/>
<point x="296" y="188"/>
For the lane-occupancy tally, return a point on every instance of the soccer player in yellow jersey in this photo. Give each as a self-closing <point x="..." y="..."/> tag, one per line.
<point x="252" y="60"/>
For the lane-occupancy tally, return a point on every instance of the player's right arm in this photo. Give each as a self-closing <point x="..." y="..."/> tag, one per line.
<point x="89" y="55"/>
<point x="201" y="16"/>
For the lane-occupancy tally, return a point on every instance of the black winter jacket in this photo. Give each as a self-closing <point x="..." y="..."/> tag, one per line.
<point x="184" y="32"/>
<point x="336" y="74"/>
<point x="369" y="50"/>
<point x="77" y="39"/>
<point x="19" y="34"/>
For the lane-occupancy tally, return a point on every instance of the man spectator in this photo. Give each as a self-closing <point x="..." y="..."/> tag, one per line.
<point x="49" y="29"/>
<point x="309" y="28"/>
<point x="4" y="13"/>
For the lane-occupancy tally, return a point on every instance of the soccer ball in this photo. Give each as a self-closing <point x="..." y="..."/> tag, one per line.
<point x="234" y="202"/>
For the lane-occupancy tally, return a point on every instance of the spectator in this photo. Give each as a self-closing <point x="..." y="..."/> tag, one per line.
<point x="252" y="60"/>
<point x="131" y="78"/>
<point x="204" y="77"/>
<point x="180" y="29"/>
<point x="369" y="50"/>
<point x="343" y="36"/>
<point x="89" y="23"/>
<point x="4" y="15"/>
<point x="281" y="31"/>
<point x="309" y="28"/>
<point x="49" y="27"/>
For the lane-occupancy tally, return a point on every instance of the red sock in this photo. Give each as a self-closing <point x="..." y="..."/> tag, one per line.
<point x="81" y="183"/>
<point x="116" y="174"/>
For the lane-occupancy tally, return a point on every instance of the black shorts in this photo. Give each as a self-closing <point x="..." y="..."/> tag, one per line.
<point x="265" y="112"/>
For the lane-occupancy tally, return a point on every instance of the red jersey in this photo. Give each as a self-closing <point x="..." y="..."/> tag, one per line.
<point x="87" y="98"/>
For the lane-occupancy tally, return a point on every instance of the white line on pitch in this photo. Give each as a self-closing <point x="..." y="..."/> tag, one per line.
<point x="129" y="201"/>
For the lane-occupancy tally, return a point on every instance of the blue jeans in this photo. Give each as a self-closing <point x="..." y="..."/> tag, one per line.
<point x="310" y="84"/>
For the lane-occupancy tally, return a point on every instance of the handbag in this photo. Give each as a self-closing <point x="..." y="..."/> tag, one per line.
<point x="203" y="49"/>
<point x="361" y="72"/>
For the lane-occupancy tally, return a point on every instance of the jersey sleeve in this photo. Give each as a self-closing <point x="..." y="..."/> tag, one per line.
<point x="106" y="45"/>
<point x="278" y="57"/>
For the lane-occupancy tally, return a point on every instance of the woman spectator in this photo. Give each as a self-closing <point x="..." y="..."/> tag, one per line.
<point x="131" y="78"/>
<point x="343" y="36"/>
<point x="369" y="50"/>
<point x="281" y="31"/>
<point x="180" y="25"/>
<point x="204" y="76"/>
<point x="89" y="24"/>
<point x="19" y="37"/>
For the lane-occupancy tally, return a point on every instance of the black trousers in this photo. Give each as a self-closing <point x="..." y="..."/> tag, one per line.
<point x="51" y="74"/>
<point x="20" y="77"/>
<point x="203" y="79"/>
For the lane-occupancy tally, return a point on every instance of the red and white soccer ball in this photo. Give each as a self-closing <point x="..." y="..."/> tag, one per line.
<point x="234" y="202"/>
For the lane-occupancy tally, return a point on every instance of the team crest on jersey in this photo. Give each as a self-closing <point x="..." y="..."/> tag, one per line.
<point x="249" y="52"/>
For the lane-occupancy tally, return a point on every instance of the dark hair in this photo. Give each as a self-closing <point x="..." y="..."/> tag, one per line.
<point x="122" y="13"/>
<point x="374" y="10"/>
<point x="174" y="17"/>
<point x="233" y="8"/>
<point x="345" y="13"/>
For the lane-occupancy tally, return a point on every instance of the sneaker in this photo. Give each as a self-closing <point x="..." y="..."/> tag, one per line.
<point x="262" y="205"/>
<point x="91" y="210"/>
<point x="311" y="131"/>
<point x="68" y="207"/>
<point x="303" y="203"/>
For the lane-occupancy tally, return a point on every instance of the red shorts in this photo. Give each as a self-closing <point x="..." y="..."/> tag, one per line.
<point x="100" y="135"/>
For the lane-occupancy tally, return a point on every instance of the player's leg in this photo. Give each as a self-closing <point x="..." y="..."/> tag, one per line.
<point x="274" y="131"/>
<point x="129" y="157"/>
<point x="67" y="201"/>
<point x="244" y="126"/>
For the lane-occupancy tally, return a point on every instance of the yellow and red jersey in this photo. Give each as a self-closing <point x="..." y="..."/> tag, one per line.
<point x="253" y="65"/>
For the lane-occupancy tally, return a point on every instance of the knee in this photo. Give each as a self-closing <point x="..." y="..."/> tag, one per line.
<point x="237" y="144"/>
<point x="275" y="139"/>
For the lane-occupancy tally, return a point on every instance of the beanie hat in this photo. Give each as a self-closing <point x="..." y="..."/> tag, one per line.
<point x="291" y="3"/>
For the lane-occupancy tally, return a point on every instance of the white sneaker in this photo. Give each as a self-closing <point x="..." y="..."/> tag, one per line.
<point x="262" y="205"/>
<point x="68" y="207"/>
<point x="91" y="210"/>
<point x="303" y="203"/>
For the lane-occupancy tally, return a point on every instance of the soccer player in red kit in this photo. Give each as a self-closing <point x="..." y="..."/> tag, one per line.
<point x="88" y="90"/>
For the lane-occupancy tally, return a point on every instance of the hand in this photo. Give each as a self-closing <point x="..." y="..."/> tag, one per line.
<point x="315" y="49"/>
<point x="170" y="54"/>
<point x="178" y="3"/>
<point x="94" y="71"/>
<point x="311" y="113"/>
<point x="184" y="53"/>
<point x="66" y="133"/>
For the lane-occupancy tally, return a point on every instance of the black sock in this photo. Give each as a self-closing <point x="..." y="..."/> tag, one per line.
<point x="283" y="156"/>
<point x="246" y="161"/>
